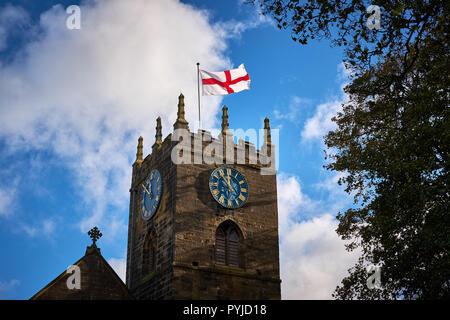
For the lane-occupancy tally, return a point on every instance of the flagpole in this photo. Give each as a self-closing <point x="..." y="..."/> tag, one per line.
<point x="198" y="86"/>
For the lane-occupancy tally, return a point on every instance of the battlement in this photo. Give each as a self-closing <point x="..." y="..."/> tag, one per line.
<point x="186" y="147"/>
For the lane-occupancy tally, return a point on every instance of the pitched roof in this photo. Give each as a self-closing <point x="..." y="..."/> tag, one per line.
<point x="98" y="282"/>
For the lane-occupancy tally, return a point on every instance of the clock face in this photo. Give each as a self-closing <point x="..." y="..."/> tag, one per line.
<point x="151" y="191"/>
<point x="228" y="187"/>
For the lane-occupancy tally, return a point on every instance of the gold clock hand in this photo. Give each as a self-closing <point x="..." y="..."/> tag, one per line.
<point x="227" y="182"/>
<point x="145" y="189"/>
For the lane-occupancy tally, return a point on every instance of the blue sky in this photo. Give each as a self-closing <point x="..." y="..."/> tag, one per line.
<point x="74" y="102"/>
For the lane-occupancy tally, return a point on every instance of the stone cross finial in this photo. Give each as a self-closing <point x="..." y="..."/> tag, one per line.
<point x="95" y="234"/>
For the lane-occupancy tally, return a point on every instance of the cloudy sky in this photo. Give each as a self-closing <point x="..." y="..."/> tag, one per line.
<point x="74" y="102"/>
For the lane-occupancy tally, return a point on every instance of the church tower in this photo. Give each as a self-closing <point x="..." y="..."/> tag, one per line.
<point x="200" y="229"/>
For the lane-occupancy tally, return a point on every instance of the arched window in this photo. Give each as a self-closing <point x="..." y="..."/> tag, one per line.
<point x="228" y="245"/>
<point x="149" y="255"/>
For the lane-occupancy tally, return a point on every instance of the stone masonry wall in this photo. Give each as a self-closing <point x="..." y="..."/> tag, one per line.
<point x="157" y="284"/>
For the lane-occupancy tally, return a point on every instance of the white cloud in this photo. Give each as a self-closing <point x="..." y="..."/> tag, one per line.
<point x="7" y="196"/>
<point x="294" y="108"/>
<point x="86" y="95"/>
<point x="7" y="286"/>
<point x="320" y="123"/>
<point x="313" y="258"/>
<point x="234" y="29"/>
<point x="335" y="195"/>
<point x="44" y="228"/>
<point x="119" y="266"/>
<point x="290" y="201"/>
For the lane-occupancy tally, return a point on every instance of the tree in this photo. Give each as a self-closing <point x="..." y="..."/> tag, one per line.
<point x="392" y="139"/>
<point x="394" y="143"/>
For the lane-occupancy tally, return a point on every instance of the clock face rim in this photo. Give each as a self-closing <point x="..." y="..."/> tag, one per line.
<point x="152" y="214"/>
<point x="217" y="200"/>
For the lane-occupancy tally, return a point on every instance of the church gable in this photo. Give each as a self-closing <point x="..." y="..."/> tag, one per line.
<point x="97" y="281"/>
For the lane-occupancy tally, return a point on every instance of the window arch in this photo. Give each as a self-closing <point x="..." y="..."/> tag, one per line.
<point x="228" y="248"/>
<point x="149" y="254"/>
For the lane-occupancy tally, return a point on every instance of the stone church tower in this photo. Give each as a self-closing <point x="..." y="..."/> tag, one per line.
<point x="199" y="230"/>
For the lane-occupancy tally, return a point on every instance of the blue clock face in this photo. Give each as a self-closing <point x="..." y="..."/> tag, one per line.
<point x="228" y="187"/>
<point x="151" y="194"/>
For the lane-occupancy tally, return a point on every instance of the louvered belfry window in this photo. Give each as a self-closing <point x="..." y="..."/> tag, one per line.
<point x="233" y="248"/>
<point x="220" y="246"/>
<point x="228" y="245"/>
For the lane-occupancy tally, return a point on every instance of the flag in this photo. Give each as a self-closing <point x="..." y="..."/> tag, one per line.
<point x="225" y="82"/>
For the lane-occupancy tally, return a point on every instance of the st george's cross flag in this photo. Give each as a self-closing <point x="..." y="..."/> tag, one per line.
<point x="225" y="82"/>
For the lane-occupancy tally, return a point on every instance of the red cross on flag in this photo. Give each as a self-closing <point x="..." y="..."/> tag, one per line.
<point x="225" y="82"/>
